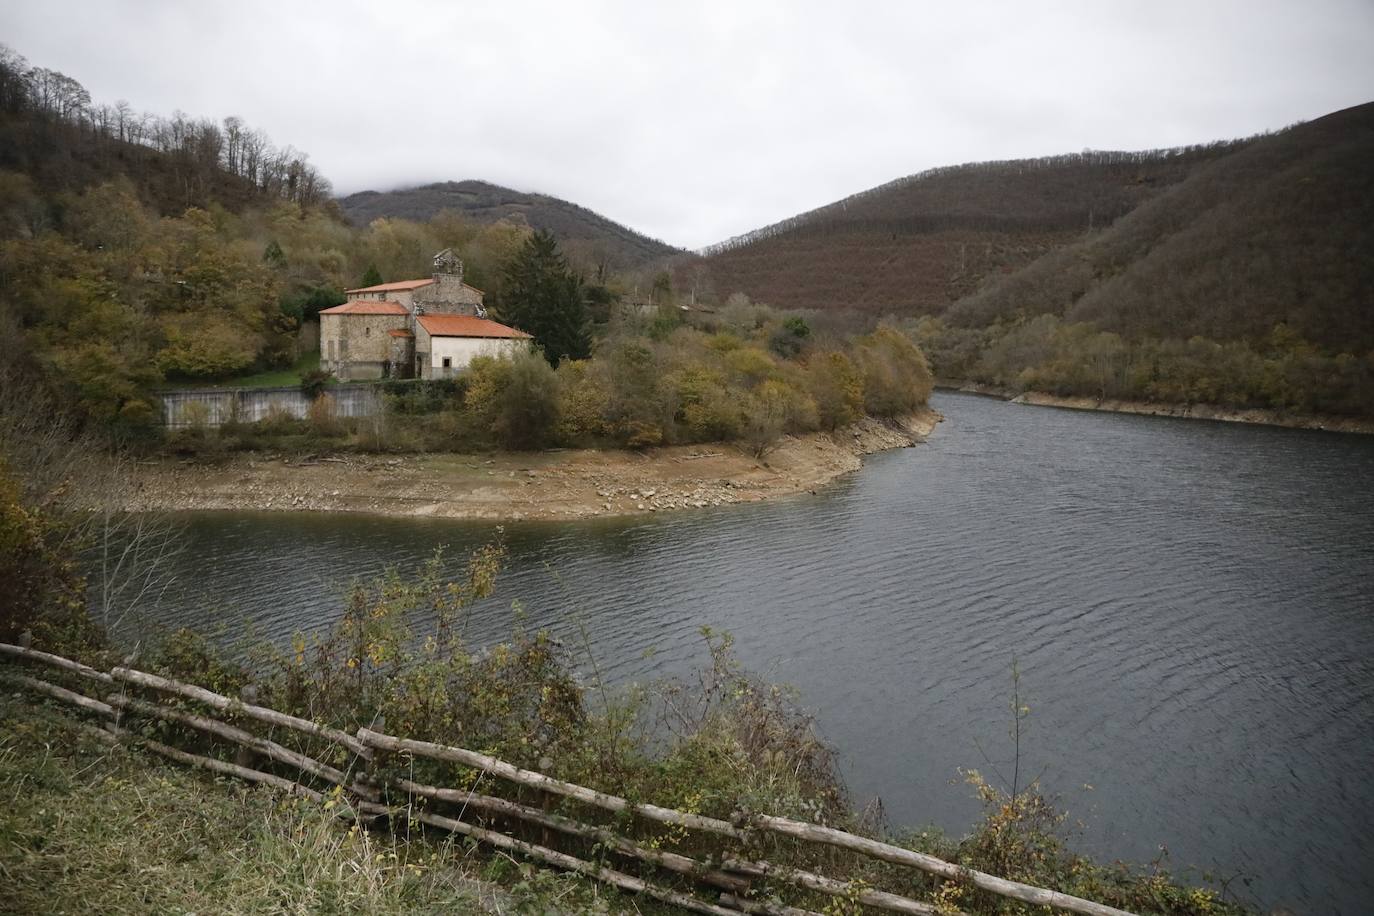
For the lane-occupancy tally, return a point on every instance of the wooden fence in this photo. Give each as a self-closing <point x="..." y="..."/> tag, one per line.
<point x="729" y="875"/>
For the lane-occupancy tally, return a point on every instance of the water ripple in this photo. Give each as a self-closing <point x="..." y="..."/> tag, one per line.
<point x="1188" y="604"/>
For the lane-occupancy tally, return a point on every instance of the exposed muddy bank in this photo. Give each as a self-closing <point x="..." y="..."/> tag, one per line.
<point x="564" y="484"/>
<point x="1263" y="417"/>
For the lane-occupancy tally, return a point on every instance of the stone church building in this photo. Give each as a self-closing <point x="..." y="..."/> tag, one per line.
<point x="413" y="328"/>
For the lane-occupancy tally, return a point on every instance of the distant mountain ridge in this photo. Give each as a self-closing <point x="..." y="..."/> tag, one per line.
<point x="583" y="231"/>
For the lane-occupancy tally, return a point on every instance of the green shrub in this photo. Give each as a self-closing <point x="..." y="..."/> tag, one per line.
<point x="790" y="338"/>
<point x="837" y="388"/>
<point x="707" y="409"/>
<point x="751" y="365"/>
<point x="583" y="399"/>
<point x="896" y="379"/>
<point x="527" y="414"/>
<point x="314" y="382"/>
<point x="43" y="593"/>
<point x="414" y="397"/>
<point x="640" y="407"/>
<point x="487" y="378"/>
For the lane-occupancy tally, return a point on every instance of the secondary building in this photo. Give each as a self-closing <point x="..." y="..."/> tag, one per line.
<point x="446" y="343"/>
<point x="413" y="328"/>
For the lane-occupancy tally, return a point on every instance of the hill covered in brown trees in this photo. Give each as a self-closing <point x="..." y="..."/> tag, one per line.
<point x="1280" y="232"/>
<point x="588" y="236"/>
<point x="918" y="244"/>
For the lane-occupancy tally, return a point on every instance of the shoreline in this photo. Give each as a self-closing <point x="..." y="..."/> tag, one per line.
<point x="563" y="484"/>
<point x="1250" y="415"/>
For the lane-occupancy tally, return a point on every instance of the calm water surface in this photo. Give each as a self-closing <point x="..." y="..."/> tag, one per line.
<point x="1189" y="604"/>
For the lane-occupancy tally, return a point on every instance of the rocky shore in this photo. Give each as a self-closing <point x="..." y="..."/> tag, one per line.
<point x="559" y="484"/>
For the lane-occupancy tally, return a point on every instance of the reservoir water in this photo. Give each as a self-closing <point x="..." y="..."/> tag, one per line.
<point x="1190" y="605"/>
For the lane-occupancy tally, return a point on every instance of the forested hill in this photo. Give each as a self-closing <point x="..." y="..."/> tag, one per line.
<point x="588" y="236"/>
<point x="917" y="244"/>
<point x="1238" y="273"/>
<point x="1250" y="283"/>
<point x="1280" y="232"/>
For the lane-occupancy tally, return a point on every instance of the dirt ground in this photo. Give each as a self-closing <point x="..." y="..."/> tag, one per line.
<point x="560" y="484"/>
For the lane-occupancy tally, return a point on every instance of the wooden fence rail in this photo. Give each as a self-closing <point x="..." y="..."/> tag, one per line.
<point x="728" y="876"/>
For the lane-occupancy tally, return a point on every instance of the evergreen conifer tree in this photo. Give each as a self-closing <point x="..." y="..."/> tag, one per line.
<point x="273" y="256"/>
<point x="542" y="296"/>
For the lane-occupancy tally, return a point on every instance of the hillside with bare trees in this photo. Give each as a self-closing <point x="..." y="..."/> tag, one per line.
<point x="1278" y="233"/>
<point x="918" y="244"/>
<point x="54" y="133"/>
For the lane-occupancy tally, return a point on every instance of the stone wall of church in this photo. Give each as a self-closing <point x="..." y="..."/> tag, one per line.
<point x="358" y="346"/>
<point x="448" y="295"/>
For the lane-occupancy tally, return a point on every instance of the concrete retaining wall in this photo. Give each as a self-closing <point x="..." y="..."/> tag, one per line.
<point x="249" y="405"/>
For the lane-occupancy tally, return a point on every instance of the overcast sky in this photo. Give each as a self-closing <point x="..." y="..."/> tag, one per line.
<point x="695" y="122"/>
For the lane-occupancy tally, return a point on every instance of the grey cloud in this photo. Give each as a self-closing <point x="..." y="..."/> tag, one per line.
<point x="693" y="123"/>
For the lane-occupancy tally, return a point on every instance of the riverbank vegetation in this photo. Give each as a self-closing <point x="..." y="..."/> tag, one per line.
<point x="650" y="382"/>
<point x="1280" y="372"/>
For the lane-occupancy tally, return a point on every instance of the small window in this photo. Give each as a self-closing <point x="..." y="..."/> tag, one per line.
<point x="448" y="362"/>
<point x="367" y="331"/>
<point x="343" y="348"/>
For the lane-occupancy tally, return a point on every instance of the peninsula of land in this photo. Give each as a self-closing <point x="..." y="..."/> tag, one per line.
<point x="512" y="486"/>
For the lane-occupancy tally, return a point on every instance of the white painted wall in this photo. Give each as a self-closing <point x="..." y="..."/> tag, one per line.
<point x="462" y="350"/>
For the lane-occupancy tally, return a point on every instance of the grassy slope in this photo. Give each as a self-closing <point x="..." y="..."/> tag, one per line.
<point x="86" y="827"/>
<point x="272" y="378"/>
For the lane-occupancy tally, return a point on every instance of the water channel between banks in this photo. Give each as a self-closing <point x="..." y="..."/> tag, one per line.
<point x="1190" y="605"/>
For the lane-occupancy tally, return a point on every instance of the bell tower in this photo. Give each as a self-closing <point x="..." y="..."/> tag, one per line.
<point x="447" y="294"/>
<point x="448" y="264"/>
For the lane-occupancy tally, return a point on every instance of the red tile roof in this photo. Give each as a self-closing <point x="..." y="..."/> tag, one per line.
<point x="466" y="326"/>
<point x="399" y="285"/>
<point x="367" y="307"/>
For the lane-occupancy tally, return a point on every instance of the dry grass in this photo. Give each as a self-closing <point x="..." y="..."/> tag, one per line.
<point x="86" y="828"/>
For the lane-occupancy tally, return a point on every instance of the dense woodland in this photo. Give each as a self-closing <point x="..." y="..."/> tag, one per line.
<point x="1238" y="273"/>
